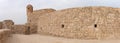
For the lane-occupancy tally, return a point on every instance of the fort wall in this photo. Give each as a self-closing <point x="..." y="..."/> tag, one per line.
<point x="33" y="17"/>
<point x="82" y="23"/>
<point x="19" y="29"/>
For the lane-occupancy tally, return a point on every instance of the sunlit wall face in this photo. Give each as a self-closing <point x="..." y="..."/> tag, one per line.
<point x="16" y="9"/>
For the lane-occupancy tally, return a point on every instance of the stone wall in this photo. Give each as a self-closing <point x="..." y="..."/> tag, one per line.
<point x="19" y="29"/>
<point x="82" y="23"/>
<point x="33" y="29"/>
<point x="4" y="34"/>
<point x="33" y="16"/>
<point x="1" y="25"/>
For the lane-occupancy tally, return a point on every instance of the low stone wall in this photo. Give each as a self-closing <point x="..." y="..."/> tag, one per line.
<point x="19" y="29"/>
<point x="23" y="29"/>
<point x="4" y="34"/>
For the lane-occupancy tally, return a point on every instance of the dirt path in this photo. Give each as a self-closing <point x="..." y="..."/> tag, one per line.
<point x="17" y="38"/>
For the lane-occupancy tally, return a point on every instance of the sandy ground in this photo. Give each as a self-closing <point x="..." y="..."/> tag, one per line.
<point x="35" y="38"/>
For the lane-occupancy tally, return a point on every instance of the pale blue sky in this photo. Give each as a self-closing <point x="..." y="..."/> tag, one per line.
<point x="16" y="9"/>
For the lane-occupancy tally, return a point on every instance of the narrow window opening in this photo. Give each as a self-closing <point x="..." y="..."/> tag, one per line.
<point x="62" y="25"/>
<point x="95" y="25"/>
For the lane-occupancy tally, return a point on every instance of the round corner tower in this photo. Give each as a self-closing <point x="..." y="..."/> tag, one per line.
<point x="29" y="10"/>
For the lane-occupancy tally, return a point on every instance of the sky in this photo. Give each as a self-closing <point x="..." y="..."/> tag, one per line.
<point x="16" y="9"/>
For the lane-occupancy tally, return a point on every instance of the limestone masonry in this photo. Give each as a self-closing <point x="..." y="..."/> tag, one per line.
<point x="81" y="23"/>
<point x="33" y="17"/>
<point x="4" y="34"/>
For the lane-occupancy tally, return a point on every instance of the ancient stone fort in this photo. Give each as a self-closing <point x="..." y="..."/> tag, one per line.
<point x="95" y="22"/>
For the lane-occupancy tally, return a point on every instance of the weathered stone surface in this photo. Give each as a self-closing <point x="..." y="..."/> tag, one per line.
<point x="33" y="16"/>
<point x="4" y="34"/>
<point x="1" y="25"/>
<point x="7" y="24"/>
<point x="82" y="23"/>
<point x="19" y="29"/>
<point x="33" y="29"/>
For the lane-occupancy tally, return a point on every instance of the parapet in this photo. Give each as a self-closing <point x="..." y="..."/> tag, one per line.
<point x="44" y="11"/>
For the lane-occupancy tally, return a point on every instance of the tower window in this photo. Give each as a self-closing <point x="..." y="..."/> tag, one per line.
<point x="95" y="25"/>
<point x="62" y="26"/>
